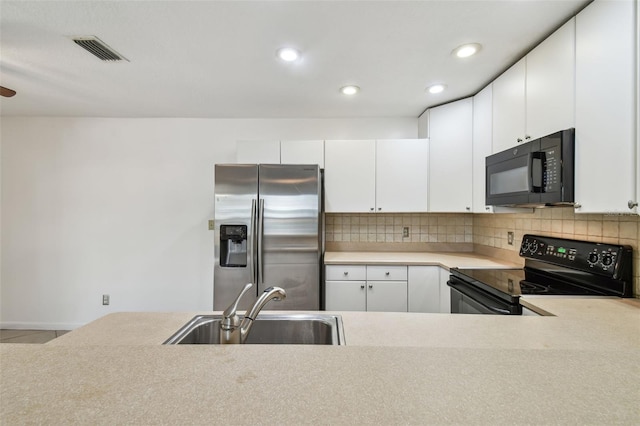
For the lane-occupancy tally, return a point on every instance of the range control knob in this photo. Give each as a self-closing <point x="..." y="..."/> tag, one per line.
<point x="534" y="246"/>
<point x="607" y="260"/>
<point x="525" y="246"/>
<point x="593" y="258"/>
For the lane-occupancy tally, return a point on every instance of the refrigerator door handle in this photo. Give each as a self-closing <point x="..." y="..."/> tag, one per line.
<point x="252" y="243"/>
<point x="260" y="235"/>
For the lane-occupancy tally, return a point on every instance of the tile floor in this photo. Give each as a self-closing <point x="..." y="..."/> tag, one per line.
<point x="29" y="336"/>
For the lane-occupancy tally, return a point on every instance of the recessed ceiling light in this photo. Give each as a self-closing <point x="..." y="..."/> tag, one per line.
<point x="466" y="50"/>
<point x="349" y="90"/>
<point x="288" y="54"/>
<point x="436" y="88"/>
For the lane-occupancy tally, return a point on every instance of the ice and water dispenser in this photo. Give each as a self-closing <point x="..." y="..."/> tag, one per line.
<point x="233" y="245"/>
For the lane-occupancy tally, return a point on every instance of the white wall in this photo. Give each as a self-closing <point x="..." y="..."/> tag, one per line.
<point x="93" y="206"/>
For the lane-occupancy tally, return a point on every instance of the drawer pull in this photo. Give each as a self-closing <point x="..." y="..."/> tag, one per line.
<point x="370" y="286"/>
<point x="346" y="272"/>
<point x="386" y="273"/>
<point x="362" y="286"/>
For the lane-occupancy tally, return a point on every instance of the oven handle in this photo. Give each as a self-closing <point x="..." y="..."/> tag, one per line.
<point x="477" y="297"/>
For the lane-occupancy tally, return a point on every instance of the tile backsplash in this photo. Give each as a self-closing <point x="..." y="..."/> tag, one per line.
<point x="389" y="228"/>
<point x="482" y="233"/>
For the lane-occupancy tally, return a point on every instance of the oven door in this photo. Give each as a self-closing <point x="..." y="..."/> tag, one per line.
<point x="469" y="299"/>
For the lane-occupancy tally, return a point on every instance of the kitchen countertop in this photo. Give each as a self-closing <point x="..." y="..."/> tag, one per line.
<point x="444" y="259"/>
<point x="579" y="366"/>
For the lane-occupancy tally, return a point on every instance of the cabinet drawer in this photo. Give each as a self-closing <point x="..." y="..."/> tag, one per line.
<point x="387" y="273"/>
<point x="346" y="273"/>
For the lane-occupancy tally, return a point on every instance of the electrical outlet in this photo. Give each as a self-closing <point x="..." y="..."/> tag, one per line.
<point x="105" y="299"/>
<point x="510" y="238"/>
<point x="212" y="225"/>
<point x="405" y="232"/>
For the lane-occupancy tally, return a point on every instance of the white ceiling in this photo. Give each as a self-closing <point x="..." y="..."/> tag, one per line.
<point x="217" y="58"/>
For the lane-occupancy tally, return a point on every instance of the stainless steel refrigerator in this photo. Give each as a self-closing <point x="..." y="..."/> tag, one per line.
<point x="268" y="231"/>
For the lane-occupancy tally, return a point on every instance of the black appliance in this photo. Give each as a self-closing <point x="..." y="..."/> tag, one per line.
<point x="553" y="266"/>
<point x="536" y="173"/>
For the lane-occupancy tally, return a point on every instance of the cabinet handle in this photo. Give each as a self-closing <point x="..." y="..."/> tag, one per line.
<point x="577" y="206"/>
<point x="488" y="208"/>
<point x="386" y="273"/>
<point x="362" y="286"/>
<point x="379" y="208"/>
<point x="631" y="204"/>
<point x="346" y="273"/>
<point x="371" y="209"/>
<point x="468" y="209"/>
<point x="370" y="286"/>
<point x="519" y="140"/>
<point x="527" y="137"/>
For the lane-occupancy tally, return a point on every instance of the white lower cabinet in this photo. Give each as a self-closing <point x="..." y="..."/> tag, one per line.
<point x="345" y="296"/>
<point x="428" y="290"/>
<point x="445" y="292"/>
<point x="424" y="289"/>
<point x="387" y="288"/>
<point x="366" y="288"/>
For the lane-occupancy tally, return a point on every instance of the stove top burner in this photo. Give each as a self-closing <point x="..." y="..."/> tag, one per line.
<point x="532" y="288"/>
<point x="528" y="287"/>
<point x="517" y="282"/>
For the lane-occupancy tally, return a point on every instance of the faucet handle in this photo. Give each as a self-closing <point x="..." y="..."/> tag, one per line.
<point x="231" y="310"/>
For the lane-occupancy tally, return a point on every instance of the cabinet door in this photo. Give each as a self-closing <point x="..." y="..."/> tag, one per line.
<point x="350" y="175"/>
<point x="550" y="93"/>
<point x="401" y="175"/>
<point x="450" y="157"/>
<point x="387" y="296"/>
<point x="258" y="152"/>
<point x="605" y="122"/>
<point x="424" y="289"/>
<point x="445" y="292"/>
<point x="482" y="134"/>
<point x="509" y="107"/>
<point x="345" y="296"/>
<point x="302" y="152"/>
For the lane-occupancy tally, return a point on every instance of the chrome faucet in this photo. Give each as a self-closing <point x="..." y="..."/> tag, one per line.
<point x="232" y="330"/>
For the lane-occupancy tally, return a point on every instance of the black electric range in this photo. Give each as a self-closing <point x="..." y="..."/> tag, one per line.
<point x="553" y="266"/>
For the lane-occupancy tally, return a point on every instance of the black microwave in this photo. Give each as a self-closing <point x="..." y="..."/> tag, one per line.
<point x="534" y="174"/>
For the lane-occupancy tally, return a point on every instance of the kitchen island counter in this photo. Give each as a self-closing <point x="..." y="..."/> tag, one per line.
<point x="579" y="366"/>
<point x="294" y="385"/>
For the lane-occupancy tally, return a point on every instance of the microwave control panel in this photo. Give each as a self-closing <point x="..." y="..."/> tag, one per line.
<point x="551" y="178"/>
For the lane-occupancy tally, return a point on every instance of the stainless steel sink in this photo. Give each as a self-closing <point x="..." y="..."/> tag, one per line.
<point x="283" y="329"/>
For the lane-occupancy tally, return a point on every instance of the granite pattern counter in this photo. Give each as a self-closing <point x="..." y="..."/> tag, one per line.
<point x="577" y="367"/>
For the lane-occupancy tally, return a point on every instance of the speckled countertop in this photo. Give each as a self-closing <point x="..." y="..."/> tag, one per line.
<point x="446" y="260"/>
<point x="577" y="367"/>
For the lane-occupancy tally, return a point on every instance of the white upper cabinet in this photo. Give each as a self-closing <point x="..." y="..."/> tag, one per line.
<point x="376" y="176"/>
<point x="550" y="80"/>
<point x="509" y="107"/>
<point x="302" y="152"/>
<point x="280" y="152"/>
<point x="482" y="134"/>
<point x="258" y="152"/>
<point x="401" y="175"/>
<point x="535" y="97"/>
<point x="605" y="106"/>
<point x="350" y="176"/>
<point x="450" y="155"/>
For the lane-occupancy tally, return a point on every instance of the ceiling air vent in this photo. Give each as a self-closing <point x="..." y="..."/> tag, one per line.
<point x="98" y="48"/>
